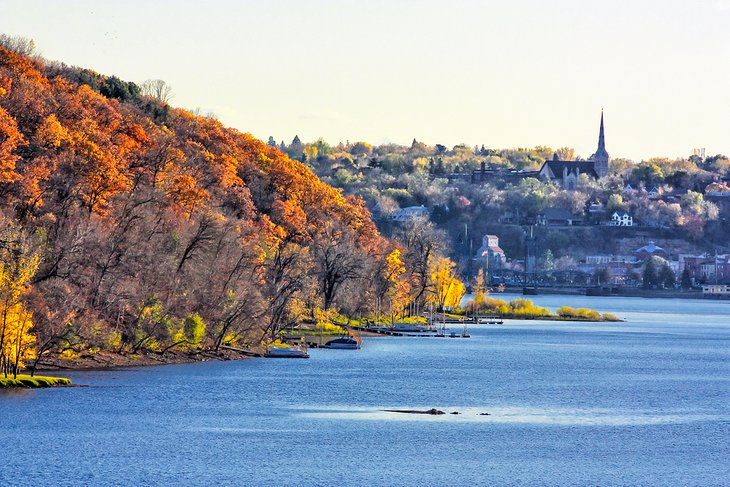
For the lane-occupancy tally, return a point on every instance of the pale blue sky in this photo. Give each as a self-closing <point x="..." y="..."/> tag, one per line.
<point x="504" y="74"/>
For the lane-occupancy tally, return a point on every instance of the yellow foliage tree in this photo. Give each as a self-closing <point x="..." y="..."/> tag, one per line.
<point x="398" y="288"/>
<point x="17" y="343"/>
<point x="446" y="289"/>
<point x="18" y="265"/>
<point x="51" y="133"/>
<point x="480" y="290"/>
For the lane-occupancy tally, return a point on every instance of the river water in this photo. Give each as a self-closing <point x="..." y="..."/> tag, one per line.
<point x="645" y="402"/>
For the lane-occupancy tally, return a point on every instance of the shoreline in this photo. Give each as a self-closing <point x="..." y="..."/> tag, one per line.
<point x="105" y="360"/>
<point x="108" y="360"/>
<point x="623" y="293"/>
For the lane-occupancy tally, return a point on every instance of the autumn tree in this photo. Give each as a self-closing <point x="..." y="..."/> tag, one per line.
<point x="446" y="290"/>
<point x="422" y="242"/>
<point x="18" y="264"/>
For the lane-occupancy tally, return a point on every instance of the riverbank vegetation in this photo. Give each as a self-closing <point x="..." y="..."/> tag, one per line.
<point x="37" y="381"/>
<point x="522" y="308"/>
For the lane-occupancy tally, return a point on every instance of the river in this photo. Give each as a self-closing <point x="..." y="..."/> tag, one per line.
<point x="644" y="402"/>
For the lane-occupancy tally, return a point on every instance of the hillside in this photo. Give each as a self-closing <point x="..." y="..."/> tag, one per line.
<point x="127" y="224"/>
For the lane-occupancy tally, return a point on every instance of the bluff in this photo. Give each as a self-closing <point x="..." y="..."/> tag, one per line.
<point x="128" y="224"/>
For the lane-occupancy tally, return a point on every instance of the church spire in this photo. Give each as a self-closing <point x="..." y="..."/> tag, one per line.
<point x="601" y="140"/>
<point x="600" y="158"/>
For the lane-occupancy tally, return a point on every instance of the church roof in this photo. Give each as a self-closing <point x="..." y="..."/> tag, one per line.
<point x="585" y="167"/>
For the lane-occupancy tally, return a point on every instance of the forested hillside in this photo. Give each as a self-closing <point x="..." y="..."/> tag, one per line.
<point x="131" y="225"/>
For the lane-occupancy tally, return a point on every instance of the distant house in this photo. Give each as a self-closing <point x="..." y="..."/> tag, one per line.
<point x="716" y="290"/>
<point x="508" y="218"/>
<point x="621" y="218"/>
<point x="490" y="253"/>
<point x="410" y="213"/>
<point x="605" y="259"/>
<point x="595" y="207"/>
<point x="628" y="188"/>
<point x="558" y="216"/>
<point x="650" y="250"/>
<point x="715" y="269"/>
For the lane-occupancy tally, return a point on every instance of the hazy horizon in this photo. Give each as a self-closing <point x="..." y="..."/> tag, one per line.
<point x="504" y="75"/>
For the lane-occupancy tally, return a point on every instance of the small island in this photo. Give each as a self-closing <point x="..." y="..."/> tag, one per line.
<point x="525" y="309"/>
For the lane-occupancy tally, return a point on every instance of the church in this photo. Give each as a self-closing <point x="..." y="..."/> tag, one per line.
<point x="568" y="172"/>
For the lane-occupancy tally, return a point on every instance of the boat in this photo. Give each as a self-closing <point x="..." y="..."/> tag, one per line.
<point x="412" y="327"/>
<point x="344" y="343"/>
<point x="487" y="319"/>
<point x="465" y="332"/>
<point x="286" y="352"/>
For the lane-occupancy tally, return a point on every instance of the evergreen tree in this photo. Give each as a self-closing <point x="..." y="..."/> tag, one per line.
<point x="650" y="274"/>
<point x="666" y="276"/>
<point x="686" y="279"/>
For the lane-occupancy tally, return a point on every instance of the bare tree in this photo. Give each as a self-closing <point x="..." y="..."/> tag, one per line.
<point x="423" y="242"/>
<point x="157" y="89"/>
<point x="338" y="261"/>
<point x="20" y="45"/>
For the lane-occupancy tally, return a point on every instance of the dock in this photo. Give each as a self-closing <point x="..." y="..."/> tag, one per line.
<point x="243" y="351"/>
<point x="390" y="332"/>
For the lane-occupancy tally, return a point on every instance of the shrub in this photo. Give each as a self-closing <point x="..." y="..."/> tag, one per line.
<point x="580" y="313"/>
<point x="527" y="309"/>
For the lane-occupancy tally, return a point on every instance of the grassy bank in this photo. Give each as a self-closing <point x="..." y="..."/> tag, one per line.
<point x="524" y="309"/>
<point x="33" y="382"/>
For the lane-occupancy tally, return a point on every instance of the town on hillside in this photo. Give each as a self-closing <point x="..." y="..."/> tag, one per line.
<point x="546" y="217"/>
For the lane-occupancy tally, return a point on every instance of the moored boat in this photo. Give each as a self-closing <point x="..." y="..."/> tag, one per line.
<point x="412" y="327"/>
<point x="344" y="343"/>
<point x="286" y="352"/>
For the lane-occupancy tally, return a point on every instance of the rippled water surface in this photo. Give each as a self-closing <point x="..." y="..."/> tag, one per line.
<point x="645" y="402"/>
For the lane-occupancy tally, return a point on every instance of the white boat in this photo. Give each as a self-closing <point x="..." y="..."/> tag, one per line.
<point x="286" y="352"/>
<point x="411" y="327"/>
<point x="343" y="343"/>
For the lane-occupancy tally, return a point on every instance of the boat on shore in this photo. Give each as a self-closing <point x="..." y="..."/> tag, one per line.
<point x="343" y="343"/>
<point x="286" y="352"/>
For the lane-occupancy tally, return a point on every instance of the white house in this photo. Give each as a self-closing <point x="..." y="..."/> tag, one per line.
<point x="621" y="219"/>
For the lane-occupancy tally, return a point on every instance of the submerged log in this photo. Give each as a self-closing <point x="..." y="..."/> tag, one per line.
<point x="433" y="411"/>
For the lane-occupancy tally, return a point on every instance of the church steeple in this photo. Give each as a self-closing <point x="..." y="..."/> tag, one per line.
<point x="601" y="140"/>
<point x="600" y="158"/>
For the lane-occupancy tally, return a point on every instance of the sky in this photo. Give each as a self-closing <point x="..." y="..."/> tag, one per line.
<point x="505" y="74"/>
